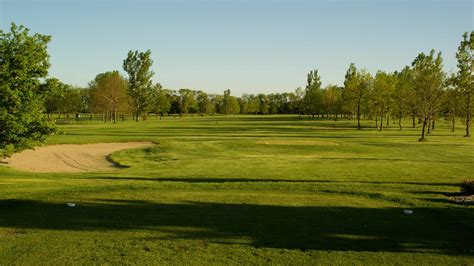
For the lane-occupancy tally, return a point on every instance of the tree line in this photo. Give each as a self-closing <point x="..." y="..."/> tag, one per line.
<point x="421" y="92"/>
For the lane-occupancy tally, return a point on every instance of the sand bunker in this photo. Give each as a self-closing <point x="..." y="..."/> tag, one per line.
<point x="297" y="142"/>
<point x="70" y="158"/>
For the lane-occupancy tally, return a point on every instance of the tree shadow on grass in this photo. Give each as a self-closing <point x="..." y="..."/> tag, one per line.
<point x="264" y="180"/>
<point x="306" y="228"/>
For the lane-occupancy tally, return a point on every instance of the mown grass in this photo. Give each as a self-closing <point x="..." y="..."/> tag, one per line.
<point x="247" y="190"/>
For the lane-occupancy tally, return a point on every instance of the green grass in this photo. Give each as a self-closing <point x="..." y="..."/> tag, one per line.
<point x="247" y="190"/>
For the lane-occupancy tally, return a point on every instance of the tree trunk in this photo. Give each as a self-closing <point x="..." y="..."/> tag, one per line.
<point x="468" y="116"/>
<point x="413" y="120"/>
<point x="428" y="124"/>
<point x="376" y="122"/>
<point x="433" y="124"/>
<point x="136" y="117"/>
<point x="381" y="122"/>
<point x="453" y="121"/>
<point x="400" y="121"/>
<point x="388" y="120"/>
<point x="358" y="114"/>
<point x="423" y="131"/>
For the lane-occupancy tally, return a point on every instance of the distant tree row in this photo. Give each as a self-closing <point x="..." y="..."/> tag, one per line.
<point x="421" y="92"/>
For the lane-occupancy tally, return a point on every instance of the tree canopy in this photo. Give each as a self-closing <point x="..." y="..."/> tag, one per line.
<point x="138" y="67"/>
<point x="108" y="92"/>
<point x="465" y="77"/>
<point x="428" y="83"/>
<point x="24" y="61"/>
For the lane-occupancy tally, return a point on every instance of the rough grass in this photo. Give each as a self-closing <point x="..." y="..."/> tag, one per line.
<point x="212" y="192"/>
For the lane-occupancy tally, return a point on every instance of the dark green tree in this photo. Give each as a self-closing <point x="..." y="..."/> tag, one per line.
<point x="204" y="103"/>
<point x="24" y="61"/>
<point x="54" y="96"/>
<point x="162" y="102"/>
<point x="465" y="77"/>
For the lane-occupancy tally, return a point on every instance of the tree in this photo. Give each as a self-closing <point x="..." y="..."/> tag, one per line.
<point x="313" y="93"/>
<point x="204" y="103"/>
<point x="218" y="103"/>
<point x="298" y="101"/>
<point x="140" y="88"/>
<point x="85" y="98"/>
<point x="285" y="106"/>
<point x="63" y="98"/>
<point x="24" y="61"/>
<point x="356" y="85"/>
<point x="73" y="101"/>
<point x="55" y="93"/>
<point x="187" y="100"/>
<point x="231" y="105"/>
<point x="252" y="105"/>
<point x="175" y="101"/>
<point x="109" y="94"/>
<point x="452" y="101"/>
<point x="402" y="94"/>
<point x="383" y="88"/>
<point x="263" y="104"/>
<point x="465" y="78"/>
<point x="428" y="83"/>
<point x="161" y="103"/>
<point x="332" y="100"/>
<point x="274" y="103"/>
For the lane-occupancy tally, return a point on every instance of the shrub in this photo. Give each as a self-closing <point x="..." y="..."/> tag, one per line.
<point x="467" y="187"/>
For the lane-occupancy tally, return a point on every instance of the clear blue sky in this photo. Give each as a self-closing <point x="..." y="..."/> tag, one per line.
<point x="246" y="46"/>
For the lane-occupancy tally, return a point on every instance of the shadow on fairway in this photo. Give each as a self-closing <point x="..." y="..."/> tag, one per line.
<point x="306" y="228"/>
<point x="264" y="180"/>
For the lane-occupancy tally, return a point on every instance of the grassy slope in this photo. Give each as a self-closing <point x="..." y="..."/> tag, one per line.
<point x="245" y="190"/>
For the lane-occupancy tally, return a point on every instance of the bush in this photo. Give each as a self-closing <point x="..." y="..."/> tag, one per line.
<point x="467" y="187"/>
